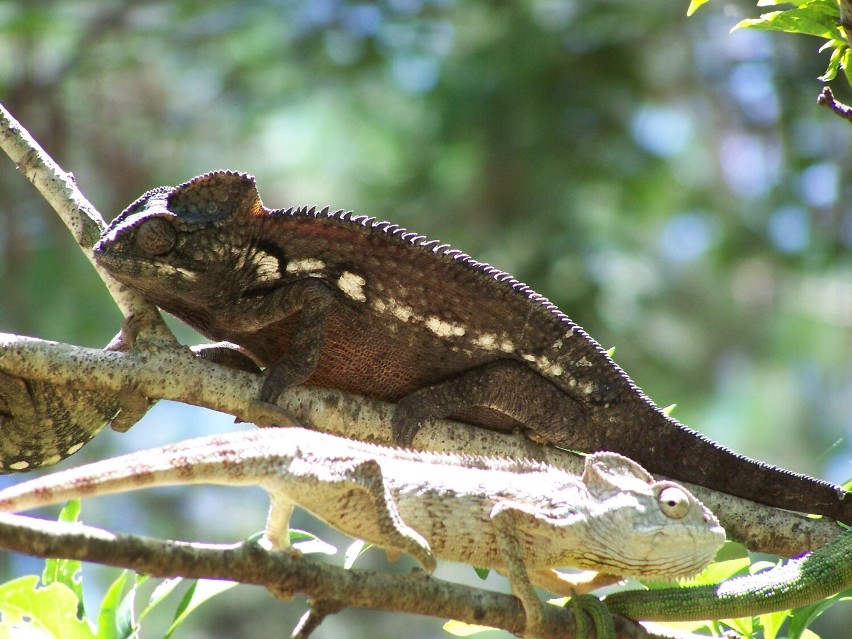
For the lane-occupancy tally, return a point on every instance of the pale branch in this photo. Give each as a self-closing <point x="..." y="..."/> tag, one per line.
<point x="826" y="98"/>
<point x="176" y="374"/>
<point x="287" y="575"/>
<point x="84" y="221"/>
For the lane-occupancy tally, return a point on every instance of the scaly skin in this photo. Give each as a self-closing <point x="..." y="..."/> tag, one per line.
<point x="797" y="583"/>
<point x="340" y="301"/>
<point x="521" y="518"/>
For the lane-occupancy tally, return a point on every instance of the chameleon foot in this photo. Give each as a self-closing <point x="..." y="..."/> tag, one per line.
<point x="265" y="414"/>
<point x="590" y="605"/>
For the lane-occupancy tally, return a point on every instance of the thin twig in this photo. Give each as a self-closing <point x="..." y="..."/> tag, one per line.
<point x="826" y="99"/>
<point x="86" y="224"/>
<point x="315" y="615"/>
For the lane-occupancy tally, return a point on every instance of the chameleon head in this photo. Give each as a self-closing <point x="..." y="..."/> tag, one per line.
<point x="176" y="242"/>
<point x="644" y="528"/>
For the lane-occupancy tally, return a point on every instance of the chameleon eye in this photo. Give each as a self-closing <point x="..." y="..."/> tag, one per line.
<point x="155" y="236"/>
<point x="674" y="502"/>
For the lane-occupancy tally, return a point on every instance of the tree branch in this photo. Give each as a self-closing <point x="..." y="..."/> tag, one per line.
<point x="280" y="572"/>
<point x="176" y="374"/>
<point x="84" y="221"/>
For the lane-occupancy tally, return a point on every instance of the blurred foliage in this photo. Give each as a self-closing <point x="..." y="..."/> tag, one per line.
<point x="670" y="185"/>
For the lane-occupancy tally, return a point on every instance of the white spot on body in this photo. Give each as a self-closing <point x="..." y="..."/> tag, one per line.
<point x="402" y="312"/>
<point x="266" y="267"/>
<point x="507" y="346"/>
<point x="306" y="265"/>
<point x="352" y="286"/>
<point x="442" y="328"/>
<point x="21" y="465"/>
<point x="486" y="341"/>
<point x="74" y="449"/>
<point x="544" y="364"/>
<point x="583" y="362"/>
<point x="548" y="367"/>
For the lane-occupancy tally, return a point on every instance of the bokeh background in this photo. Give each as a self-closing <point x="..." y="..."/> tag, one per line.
<point x="672" y="186"/>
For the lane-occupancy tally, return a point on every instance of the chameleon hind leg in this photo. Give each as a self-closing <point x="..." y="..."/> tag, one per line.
<point x="504" y="386"/>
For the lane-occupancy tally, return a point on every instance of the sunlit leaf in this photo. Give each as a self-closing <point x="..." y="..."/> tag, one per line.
<point x="811" y="19"/>
<point x="833" y="65"/>
<point x="772" y="622"/>
<point x="461" y="629"/>
<point x="694" y="5"/>
<point x="159" y="594"/>
<point x="198" y="593"/>
<point x="115" y="618"/>
<point x="846" y="63"/>
<point x="308" y="543"/>
<point x="48" y="612"/>
<point x="355" y="550"/>
<point x="66" y="571"/>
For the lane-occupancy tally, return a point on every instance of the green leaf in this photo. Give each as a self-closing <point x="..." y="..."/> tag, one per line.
<point x="743" y="625"/>
<point x="668" y="409"/>
<point x="46" y="612"/>
<point x="115" y="621"/>
<point x="772" y="623"/>
<point x="482" y="573"/>
<point x="846" y="63"/>
<point x="308" y="543"/>
<point x="816" y="18"/>
<point x="833" y="64"/>
<point x="199" y="592"/>
<point x="67" y="571"/>
<point x="694" y="6"/>
<point x="355" y="550"/>
<point x="159" y="593"/>
<point x="803" y="617"/>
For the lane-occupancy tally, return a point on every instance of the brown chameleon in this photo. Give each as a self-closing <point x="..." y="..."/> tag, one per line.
<point x="335" y="300"/>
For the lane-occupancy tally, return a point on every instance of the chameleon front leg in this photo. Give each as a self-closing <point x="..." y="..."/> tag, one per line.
<point x="312" y="299"/>
<point x="508" y="518"/>
<point x="506" y="386"/>
<point x="352" y="496"/>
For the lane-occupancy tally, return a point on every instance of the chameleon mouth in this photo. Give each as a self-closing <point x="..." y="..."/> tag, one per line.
<point x="658" y="554"/>
<point x="131" y="269"/>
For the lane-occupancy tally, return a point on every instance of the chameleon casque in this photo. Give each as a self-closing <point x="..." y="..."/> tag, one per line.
<point x="336" y="300"/>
